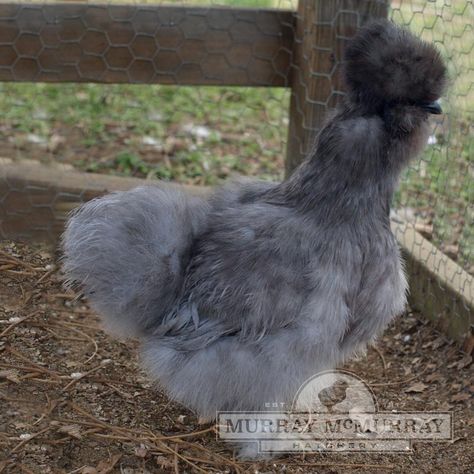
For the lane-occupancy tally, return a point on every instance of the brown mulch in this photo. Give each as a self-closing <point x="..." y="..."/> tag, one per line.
<point x="72" y="400"/>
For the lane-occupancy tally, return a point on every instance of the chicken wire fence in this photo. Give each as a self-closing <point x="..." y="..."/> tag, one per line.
<point x="255" y="78"/>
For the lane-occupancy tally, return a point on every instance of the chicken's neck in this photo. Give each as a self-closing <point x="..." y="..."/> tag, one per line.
<point x="335" y="195"/>
<point x="347" y="182"/>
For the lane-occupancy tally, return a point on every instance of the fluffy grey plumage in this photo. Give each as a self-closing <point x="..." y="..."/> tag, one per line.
<point x="240" y="297"/>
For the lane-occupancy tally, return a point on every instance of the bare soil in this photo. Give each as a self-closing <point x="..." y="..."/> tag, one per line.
<point x="72" y="400"/>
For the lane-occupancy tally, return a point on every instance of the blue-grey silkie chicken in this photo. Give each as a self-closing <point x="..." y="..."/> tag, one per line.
<point x="240" y="296"/>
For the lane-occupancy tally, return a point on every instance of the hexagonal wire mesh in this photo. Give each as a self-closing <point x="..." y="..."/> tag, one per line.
<point x="199" y="135"/>
<point x="437" y="192"/>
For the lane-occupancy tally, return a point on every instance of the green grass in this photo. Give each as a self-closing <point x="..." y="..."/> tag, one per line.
<point x="106" y="128"/>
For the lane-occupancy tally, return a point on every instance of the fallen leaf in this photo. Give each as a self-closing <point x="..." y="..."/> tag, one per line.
<point x="163" y="462"/>
<point x="464" y="362"/>
<point x="461" y="397"/>
<point x="88" y="470"/>
<point x="141" y="451"/>
<point x="438" y="342"/>
<point x="104" y="467"/>
<point x="455" y="440"/>
<point x="71" y="430"/>
<point x="468" y="345"/>
<point x="11" y="375"/>
<point x="445" y="406"/>
<point x="417" y="387"/>
<point x="434" y="377"/>
<point x="20" y="425"/>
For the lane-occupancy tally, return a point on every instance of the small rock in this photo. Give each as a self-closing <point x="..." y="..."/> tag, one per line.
<point x="152" y="142"/>
<point x="55" y="142"/>
<point x="426" y="230"/>
<point x="36" y="139"/>
<point x="406" y="213"/>
<point x="155" y="116"/>
<point x="452" y="251"/>
<point x="197" y="131"/>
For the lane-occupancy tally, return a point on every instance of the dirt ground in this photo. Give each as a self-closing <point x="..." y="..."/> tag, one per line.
<point x="72" y="400"/>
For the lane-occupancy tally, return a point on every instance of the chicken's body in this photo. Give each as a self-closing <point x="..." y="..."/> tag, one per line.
<point x="278" y="294"/>
<point x="240" y="297"/>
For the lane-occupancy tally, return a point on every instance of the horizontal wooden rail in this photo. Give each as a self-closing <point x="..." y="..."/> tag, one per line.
<point x="83" y="42"/>
<point x="35" y="198"/>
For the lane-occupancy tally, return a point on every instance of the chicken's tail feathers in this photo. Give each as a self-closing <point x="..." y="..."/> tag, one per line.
<point x="127" y="252"/>
<point x="387" y="63"/>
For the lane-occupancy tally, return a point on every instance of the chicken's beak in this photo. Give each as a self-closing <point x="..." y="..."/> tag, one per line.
<point x="432" y="107"/>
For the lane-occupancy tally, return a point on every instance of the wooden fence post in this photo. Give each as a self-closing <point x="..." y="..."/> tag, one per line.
<point x="322" y="29"/>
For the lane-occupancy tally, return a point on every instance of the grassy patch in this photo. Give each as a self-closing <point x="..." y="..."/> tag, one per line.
<point x="188" y="134"/>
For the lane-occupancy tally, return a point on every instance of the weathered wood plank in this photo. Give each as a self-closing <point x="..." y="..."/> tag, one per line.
<point x="84" y="42"/>
<point x="439" y="287"/>
<point x="35" y="198"/>
<point x="322" y="31"/>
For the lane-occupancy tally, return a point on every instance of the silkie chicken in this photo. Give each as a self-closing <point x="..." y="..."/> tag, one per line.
<point x="240" y="296"/>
